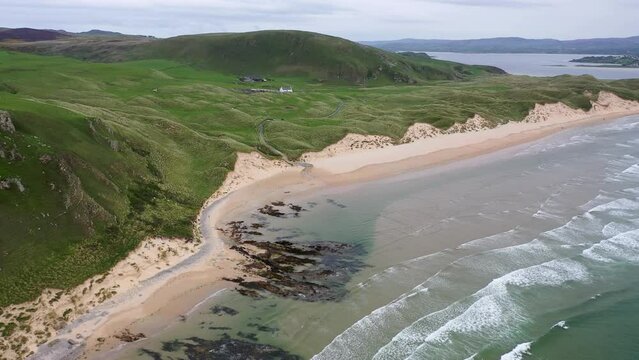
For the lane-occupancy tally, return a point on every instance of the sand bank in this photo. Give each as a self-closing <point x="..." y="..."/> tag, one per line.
<point x="169" y="283"/>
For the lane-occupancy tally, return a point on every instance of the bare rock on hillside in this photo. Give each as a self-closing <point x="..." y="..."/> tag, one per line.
<point x="6" y="124"/>
<point x="45" y="159"/>
<point x="6" y="184"/>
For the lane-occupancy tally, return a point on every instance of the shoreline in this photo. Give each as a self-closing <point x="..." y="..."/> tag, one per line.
<point x="178" y="288"/>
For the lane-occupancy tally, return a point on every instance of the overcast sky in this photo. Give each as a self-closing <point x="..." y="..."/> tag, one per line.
<point x="353" y="19"/>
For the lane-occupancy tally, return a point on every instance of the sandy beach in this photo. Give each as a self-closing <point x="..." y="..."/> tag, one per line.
<point x="171" y="277"/>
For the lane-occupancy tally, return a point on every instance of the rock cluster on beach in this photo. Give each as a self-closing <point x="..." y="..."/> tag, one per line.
<point x="222" y="349"/>
<point x="128" y="336"/>
<point x="313" y="271"/>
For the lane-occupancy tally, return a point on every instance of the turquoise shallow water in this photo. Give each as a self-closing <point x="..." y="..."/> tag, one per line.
<point x="529" y="253"/>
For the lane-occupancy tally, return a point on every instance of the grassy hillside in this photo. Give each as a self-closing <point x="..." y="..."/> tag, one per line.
<point x="113" y="153"/>
<point x="267" y="53"/>
<point x="307" y="54"/>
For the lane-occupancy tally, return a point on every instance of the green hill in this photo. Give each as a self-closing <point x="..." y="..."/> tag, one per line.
<point x="269" y="53"/>
<point x="304" y="54"/>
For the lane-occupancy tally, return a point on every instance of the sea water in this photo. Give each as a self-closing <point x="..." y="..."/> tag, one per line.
<point x="528" y="253"/>
<point x="541" y="64"/>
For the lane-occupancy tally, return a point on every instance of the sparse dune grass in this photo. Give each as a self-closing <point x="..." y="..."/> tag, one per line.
<point x="137" y="147"/>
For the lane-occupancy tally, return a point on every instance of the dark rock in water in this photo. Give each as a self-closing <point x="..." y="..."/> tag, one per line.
<point x="231" y="349"/>
<point x="170" y="346"/>
<point x="270" y="210"/>
<point x="238" y="279"/>
<point x="152" y="354"/>
<point x="220" y="310"/>
<point x="128" y="336"/>
<point x="314" y="271"/>
<point x="250" y="293"/>
<point x="308" y="272"/>
<point x="333" y="202"/>
<point x="295" y="208"/>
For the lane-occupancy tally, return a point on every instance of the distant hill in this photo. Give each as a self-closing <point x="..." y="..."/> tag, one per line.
<point x="274" y="53"/>
<point x="304" y="53"/>
<point x="29" y="35"/>
<point x="96" y="32"/>
<point x="612" y="46"/>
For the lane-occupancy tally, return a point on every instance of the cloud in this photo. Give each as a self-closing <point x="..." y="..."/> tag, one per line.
<point x="354" y="19"/>
<point x="492" y="3"/>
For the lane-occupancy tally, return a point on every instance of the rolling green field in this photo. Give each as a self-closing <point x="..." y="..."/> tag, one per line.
<point x="134" y="148"/>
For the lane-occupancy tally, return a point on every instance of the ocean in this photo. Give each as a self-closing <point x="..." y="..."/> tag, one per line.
<point x="531" y="252"/>
<point x="540" y="64"/>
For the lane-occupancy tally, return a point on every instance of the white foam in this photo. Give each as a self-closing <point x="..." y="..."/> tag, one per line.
<point x="487" y="312"/>
<point x="188" y="313"/>
<point x="582" y="230"/>
<point x="552" y="273"/>
<point x="621" y="247"/>
<point x="631" y="191"/>
<point x="561" y="325"/>
<point x="622" y="126"/>
<point x="518" y="352"/>
<point x="600" y="199"/>
<point x="541" y="214"/>
<point x="615" y="228"/>
<point x="491" y="310"/>
<point x="560" y="143"/>
<point x="634" y="170"/>
<point x="618" y="207"/>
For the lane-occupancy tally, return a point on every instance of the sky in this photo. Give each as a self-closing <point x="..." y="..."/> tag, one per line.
<point x="352" y="19"/>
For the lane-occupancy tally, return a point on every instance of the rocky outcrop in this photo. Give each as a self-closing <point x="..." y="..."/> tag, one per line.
<point x="313" y="271"/>
<point x="6" y="124"/>
<point x="6" y="184"/>
<point x="10" y="154"/>
<point x="83" y="207"/>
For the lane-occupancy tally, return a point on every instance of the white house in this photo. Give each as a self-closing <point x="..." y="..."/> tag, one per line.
<point x="286" y="89"/>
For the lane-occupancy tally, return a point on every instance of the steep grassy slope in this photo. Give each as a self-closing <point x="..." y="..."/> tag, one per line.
<point x="302" y="53"/>
<point x="134" y="148"/>
<point x="268" y="53"/>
